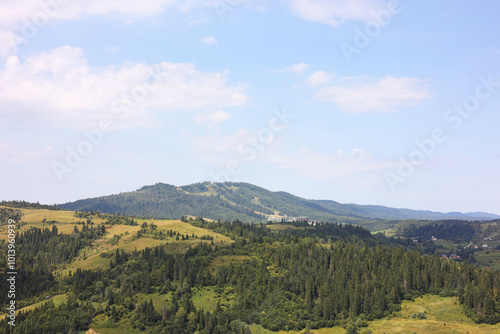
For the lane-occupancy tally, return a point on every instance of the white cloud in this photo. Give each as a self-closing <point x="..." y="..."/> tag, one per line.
<point x="319" y="165"/>
<point x="215" y="117"/>
<point x="225" y="144"/>
<point x="198" y="19"/>
<point x="19" y="155"/>
<point x="295" y="68"/>
<point x="319" y="78"/>
<point x="59" y="88"/>
<point x="22" y="20"/>
<point x="299" y="68"/>
<point x="388" y="94"/>
<point x="210" y="40"/>
<point x="334" y="12"/>
<point x="12" y="10"/>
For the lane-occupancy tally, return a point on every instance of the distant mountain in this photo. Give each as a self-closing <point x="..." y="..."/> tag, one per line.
<point x="485" y="215"/>
<point x="383" y="212"/>
<point x="249" y="203"/>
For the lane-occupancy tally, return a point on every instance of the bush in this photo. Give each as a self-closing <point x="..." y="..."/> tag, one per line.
<point x="419" y="316"/>
<point x="361" y="323"/>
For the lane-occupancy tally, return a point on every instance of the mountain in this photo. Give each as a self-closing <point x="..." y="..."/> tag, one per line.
<point x="383" y="212"/>
<point x="249" y="203"/>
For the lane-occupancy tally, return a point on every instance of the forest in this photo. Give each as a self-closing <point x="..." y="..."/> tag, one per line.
<point x="299" y="278"/>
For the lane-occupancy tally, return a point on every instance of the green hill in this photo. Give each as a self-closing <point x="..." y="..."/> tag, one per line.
<point x="246" y="202"/>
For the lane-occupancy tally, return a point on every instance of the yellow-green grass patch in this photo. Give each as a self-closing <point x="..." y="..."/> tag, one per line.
<point x="488" y="258"/>
<point x="62" y="228"/>
<point x="205" y="298"/>
<point x="158" y="300"/>
<point x="58" y="300"/>
<point x="102" y="325"/>
<point x="113" y="230"/>
<point x="186" y="228"/>
<point x="92" y="262"/>
<point x="228" y="259"/>
<point x="281" y="227"/>
<point x="63" y="216"/>
<point x="258" y="329"/>
<point x="443" y="316"/>
<point x="387" y="232"/>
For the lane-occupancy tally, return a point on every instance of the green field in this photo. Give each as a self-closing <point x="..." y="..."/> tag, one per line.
<point x="281" y="227"/>
<point x="58" y="300"/>
<point x="228" y="259"/>
<point x="205" y="298"/>
<point x="488" y="258"/>
<point x="443" y="316"/>
<point x="158" y="300"/>
<point x="390" y="232"/>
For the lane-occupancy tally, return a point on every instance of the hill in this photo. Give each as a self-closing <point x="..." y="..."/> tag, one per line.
<point x="247" y="202"/>
<point x="117" y="274"/>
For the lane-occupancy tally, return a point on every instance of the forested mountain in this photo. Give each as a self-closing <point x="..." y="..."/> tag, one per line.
<point x="228" y="201"/>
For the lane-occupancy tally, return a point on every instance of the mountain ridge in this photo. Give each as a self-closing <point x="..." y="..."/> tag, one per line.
<point x="246" y="202"/>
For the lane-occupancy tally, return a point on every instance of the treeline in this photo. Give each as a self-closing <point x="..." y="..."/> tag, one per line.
<point x="457" y="231"/>
<point x="110" y="219"/>
<point x="38" y="253"/>
<point x="324" y="232"/>
<point x="163" y="201"/>
<point x="69" y="318"/>
<point x="491" y="230"/>
<point x="8" y="213"/>
<point x="24" y="204"/>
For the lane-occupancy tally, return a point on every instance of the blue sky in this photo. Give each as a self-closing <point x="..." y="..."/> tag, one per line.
<point x="359" y="101"/>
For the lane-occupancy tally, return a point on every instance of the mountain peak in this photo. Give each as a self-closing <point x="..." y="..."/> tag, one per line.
<point x="249" y="203"/>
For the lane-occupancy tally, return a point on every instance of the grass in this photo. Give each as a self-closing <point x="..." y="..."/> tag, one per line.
<point x="119" y="229"/>
<point x="387" y="232"/>
<point x="228" y="259"/>
<point x="62" y="228"/>
<point x="484" y="259"/>
<point x="444" y="316"/>
<point x="258" y="329"/>
<point x="158" y="300"/>
<point x="63" y="216"/>
<point x="33" y="218"/>
<point x="185" y="228"/>
<point x="93" y="260"/>
<point x="280" y="227"/>
<point x="101" y="325"/>
<point x="205" y="298"/>
<point x="58" y="300"/>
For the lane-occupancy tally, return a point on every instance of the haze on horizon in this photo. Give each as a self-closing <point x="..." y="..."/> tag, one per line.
<point x="378" y="102"/>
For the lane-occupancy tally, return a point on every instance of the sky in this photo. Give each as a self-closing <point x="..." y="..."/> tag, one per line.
<point x="381" y="102"/>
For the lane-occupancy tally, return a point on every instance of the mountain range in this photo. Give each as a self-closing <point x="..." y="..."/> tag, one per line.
<point x="248" y="203"/>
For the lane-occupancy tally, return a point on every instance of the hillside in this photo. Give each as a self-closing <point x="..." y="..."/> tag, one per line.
<point x="116" y="274"/>
<point x="247" y="202"/>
